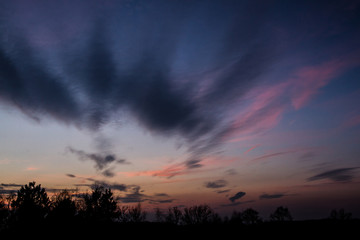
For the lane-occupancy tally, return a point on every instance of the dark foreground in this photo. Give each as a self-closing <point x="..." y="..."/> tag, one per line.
<point x="279" y="230"/>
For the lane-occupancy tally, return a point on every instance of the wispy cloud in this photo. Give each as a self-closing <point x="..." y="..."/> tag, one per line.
<point x="237" y="203"/>
<point x="266" y="156"/>
<point x="336" y="175"/>
<point x="250" y="149"/>
<point x="272" y="196"/>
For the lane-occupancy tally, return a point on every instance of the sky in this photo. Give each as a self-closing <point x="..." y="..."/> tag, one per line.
<point x="235" y="104"/>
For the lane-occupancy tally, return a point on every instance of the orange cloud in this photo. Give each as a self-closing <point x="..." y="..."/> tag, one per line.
<point x="31" y="168"/>
<point x="169" y="171"/>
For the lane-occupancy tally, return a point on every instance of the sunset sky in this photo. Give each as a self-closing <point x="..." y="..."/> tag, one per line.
<point x="236" y="104"/>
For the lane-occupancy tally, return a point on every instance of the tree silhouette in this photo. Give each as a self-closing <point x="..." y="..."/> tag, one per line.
<point x="174" y="215"/>
<point x="133" y="214"/>
<point x="32" y="203"/>
<point x="340" y="215"/>
<point x="100" y="205"/>
<point x="159" y="215"/>
<point x="64" y="207"/>
<point x="4" y="212"/>
<point x="236" y="217"/>
<point x="281" y="214"/>
<point x="198" y="214"/>
<point x="250" y="216"/>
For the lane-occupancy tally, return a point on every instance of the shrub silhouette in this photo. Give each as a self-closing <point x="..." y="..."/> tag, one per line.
<point x="32" y="203"/>
<point x="281" y="214"/>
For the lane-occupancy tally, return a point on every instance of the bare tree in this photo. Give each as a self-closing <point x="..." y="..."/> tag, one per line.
<point x="174" y="215"/>
<point x="198" y="214"/>
<point x="133" y="214"/>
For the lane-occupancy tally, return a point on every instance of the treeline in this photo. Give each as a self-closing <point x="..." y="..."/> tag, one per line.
<point x="32" y="206"/>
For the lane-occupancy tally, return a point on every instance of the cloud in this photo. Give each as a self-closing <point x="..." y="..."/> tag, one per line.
<point x="10" y="185"/>
<point x="102" y="64"/>
<point x="216" y="184"/>
<point x="9" y="188"/>
<point x="152" y="201"/>
<point x="108" y="64"/>
<point x="237" y="203"/>
<point x="223" y="191"/>
<point x="108" y="173"/>
<point x="263" y="157"/>
<point x="101" y="160"/>
<point x="231" y="172"/>
<point x="161" y="195"/>
<point x="271" y="196"/>
<point x="237" y="196"/>
<point x="135" y="196"/>
<point x="70" y="175"/>
<point x="194" y="163"/>
<point x="336" y="175"/>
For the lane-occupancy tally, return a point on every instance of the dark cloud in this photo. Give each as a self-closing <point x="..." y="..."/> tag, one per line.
<point x="135" y="196"/>
<point x="113" y="186"/>
<point x="336" y="175"/>
<point x="271" y="196"/>
<point x="108" y="61"/>
<point x="216" y="184"/>
<point x="159" y="201"/>
<point x="237" y="196"/>
<point x="231" y="172"/>
<point x="237" y="203"/>
<point x="70" y="175"/>
<point x="101" y="160"/>
<point x="177" y="68"/>
<point x="161" y="195"/>
<point x="108" y="173"/>
<point x="193" y="163"/>
<point x="10" y="188"/>
<point x="223" y="191"/>
<point x="10" y="185"/>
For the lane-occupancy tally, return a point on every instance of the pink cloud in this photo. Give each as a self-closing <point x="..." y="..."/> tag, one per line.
<point x="250" y="149"/>
<point x="264" y="157"/>
<point x="307" y="81"/>
<point x="352" y="121"/>
<point x="268" y="103"/>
